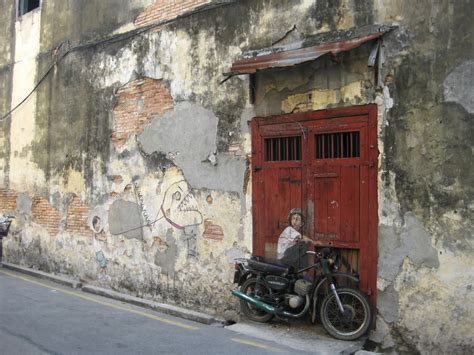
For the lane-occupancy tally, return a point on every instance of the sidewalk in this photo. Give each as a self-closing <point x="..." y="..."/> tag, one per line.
<point x="298" y="335"/>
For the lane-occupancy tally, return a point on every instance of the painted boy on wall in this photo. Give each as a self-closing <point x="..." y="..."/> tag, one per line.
<point x="292" y="243"/>
<point x="96" y="242"/>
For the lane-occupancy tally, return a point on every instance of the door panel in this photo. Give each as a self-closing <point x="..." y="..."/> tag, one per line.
<point x="326" y="199"/>
<point x="336" y="197"/>
<point x="281" y="191"/>
<point x="350" y="207"/>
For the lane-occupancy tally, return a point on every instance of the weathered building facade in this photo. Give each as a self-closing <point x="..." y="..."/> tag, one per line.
<point x="130" y="162"/>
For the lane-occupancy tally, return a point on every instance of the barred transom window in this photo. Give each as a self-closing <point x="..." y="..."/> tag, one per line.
<point x="337" y="145"/>
<point x="283" y="148"/>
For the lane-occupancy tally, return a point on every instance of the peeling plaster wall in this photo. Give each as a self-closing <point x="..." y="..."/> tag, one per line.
<point x="7" y="46"/>
<point x="200" y="165"/>
<point x="427" y="178"/>
<point x="23" y="171"/>
<point x="129" y="165"/>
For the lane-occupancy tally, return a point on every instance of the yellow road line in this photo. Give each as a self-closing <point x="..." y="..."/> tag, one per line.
<point x="255" y="344"/>
<point x="75" y="294"/>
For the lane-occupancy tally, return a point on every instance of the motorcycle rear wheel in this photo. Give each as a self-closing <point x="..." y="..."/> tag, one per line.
<point x="354" y="322"/>
<point x="252" y="312"/>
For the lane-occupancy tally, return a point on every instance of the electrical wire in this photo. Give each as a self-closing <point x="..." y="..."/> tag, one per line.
<point x="35" y="87"/>
<point x="116" y="38"/>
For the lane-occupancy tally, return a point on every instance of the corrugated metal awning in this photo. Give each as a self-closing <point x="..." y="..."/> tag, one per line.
<point x="304" y="51"/>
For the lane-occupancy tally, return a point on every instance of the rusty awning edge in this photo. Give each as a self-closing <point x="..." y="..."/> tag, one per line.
<point x="308" y="50"/>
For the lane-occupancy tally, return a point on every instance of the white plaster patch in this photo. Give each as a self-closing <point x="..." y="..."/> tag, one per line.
<point x="174" y="52"/>
<point x="388" y="101"/>
<point x="151" y="62"/>
<point x="382" y="284"/>
<point x="305" y="5"/>
<point x="108" y="70"/>
<point x="389" y="208"/>
<point x="24" y="173"/>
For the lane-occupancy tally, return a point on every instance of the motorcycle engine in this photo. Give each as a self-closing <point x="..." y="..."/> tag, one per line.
<point x="294" y="301"/>
<point x="303" y="287"/>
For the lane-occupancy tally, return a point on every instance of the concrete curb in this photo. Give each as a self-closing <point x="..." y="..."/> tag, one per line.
<point x="43" y="275"/>
<point x="160" y="307"/>
<point x="299" y="336"/>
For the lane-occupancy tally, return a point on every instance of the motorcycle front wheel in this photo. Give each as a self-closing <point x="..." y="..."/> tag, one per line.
<point x="353" y="322"/>
<point x="250" y="288"/>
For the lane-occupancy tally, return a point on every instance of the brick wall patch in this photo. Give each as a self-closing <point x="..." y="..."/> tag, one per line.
<point x="163" y="10"/>
<point x="45" y="215"/>
<point x="7" y="200"/>
<point x="212" y="231"/>
<point x="137" y="102"/>
<point x="77" y="214"/>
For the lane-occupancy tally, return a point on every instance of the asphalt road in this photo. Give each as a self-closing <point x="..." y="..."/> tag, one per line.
<point x="40" y="317"/>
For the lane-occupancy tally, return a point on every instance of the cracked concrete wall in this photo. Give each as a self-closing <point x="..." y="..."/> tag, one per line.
<point x="163" y="214"/>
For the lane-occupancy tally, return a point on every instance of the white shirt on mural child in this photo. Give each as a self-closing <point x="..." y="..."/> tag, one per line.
<point x="287" y="239"/>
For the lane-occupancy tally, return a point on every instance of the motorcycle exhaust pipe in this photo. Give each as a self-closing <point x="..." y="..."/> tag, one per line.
<point x="266" y="307"/>
<point x="254" y="302"/>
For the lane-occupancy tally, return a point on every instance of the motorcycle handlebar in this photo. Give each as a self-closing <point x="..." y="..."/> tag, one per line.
<point x="324" y="253"/>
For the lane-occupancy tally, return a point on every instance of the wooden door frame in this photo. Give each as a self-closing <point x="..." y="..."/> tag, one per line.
<point x="300" y="119"/>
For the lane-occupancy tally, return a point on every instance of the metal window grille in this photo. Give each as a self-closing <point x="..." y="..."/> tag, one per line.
<point x="337" y="145"/>
<point x="283" y="148"/>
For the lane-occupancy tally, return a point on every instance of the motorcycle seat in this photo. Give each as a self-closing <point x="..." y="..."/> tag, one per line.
<point x="258" y="264"/>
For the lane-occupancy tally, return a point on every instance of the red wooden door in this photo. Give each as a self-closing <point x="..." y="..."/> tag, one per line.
<point x="324" y="162"/>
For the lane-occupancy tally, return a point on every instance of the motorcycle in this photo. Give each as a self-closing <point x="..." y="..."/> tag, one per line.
<point x="268" y="290"/>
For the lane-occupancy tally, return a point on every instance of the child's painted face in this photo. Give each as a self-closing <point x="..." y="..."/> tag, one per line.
<point x="296" y="221"/>
<point x="96" y="224"/>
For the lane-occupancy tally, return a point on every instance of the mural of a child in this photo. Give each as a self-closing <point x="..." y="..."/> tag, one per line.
<point x="99" y="237"/>
<point x="292" y="243"/>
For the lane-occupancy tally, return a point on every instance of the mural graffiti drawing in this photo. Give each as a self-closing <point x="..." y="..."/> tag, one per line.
<point x="179" y="207"/>
<point x="177" y="210"/>
<point x="99" y="236"/>
<point x="139" y="195"/>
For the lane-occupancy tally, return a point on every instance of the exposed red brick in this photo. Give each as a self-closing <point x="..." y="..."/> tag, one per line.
<point x="116" y="179"/>
<point x="163" y="10"/>
<point x="46" y="215"/>
<point x="7" y="200"/>
<point x="137" y="102"/>
<point x="77" y="214"/>
<point x="212" y="231"/>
